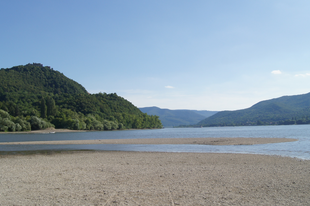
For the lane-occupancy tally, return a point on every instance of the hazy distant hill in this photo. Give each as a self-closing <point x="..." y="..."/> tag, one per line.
<point x="205" y="113"/>
<point x="284" y="110"/>
<point x="170" y="118"/>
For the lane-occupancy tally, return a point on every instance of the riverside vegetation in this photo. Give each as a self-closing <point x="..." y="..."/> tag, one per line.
<point x="34" y="97"/>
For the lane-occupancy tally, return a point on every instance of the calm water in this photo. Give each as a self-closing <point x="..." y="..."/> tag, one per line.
<point x="299" y="149"/>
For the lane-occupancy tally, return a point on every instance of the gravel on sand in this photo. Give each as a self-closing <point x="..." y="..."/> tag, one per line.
<point x="150" y="178"/>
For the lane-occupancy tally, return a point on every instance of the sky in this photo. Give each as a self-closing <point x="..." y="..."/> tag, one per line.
<point x="175" y="54"/>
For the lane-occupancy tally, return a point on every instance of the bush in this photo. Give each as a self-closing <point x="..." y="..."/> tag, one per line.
<point x="120" y="126"/>
<point x="114" y="125"/>
<point x="25" y="126"/>
<point x="4" y="114"/>
<point x="107" y="125"/>
<point x="18" y="127"/>
<point x="38" y="123"/>
<point x="7" y="125"/>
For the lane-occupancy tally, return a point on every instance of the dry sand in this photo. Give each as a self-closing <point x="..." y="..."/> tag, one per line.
<point x="142" y="178"/>
<point x="204" y="141"/>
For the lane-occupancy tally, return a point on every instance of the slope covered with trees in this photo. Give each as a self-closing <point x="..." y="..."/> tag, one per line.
<point x="42" y="97"/>
<point x="284" y="110"/>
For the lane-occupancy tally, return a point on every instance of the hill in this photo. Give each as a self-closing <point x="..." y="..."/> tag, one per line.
<point x="171" y="118"/>
<point x="284" y="110"/>
<point x="43" y="97"/>
<point x="34" y="78"/>
<point x="205" y="113"/>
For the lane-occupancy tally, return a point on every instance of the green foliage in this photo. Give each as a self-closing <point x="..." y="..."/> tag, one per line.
<point x="38" y="123"/>
<point x="50" y="106"/>
<point x="25" y="125"/>
<point x="47" y="98"/>
<point x="4" y="114"/>
<point x="8" y="123"/>
<point x="34" y="78"/>
<point x="43" y="108"/>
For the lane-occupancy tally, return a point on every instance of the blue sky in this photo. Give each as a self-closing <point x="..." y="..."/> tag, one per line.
<point x="175" y="54"/>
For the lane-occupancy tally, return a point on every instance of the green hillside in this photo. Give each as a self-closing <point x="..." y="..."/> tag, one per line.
<point x="33" y="78"/>
<point x="44" y="97"/>
<point x="284" y="110"/>
<point x="172" y="118"/>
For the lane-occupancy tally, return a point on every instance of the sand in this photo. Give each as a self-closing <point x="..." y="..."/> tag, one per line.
<point x="148" y="178"/>
<point x="203" y="141"/>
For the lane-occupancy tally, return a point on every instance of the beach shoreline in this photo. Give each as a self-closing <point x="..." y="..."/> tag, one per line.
<point x="200" y="141"/>
<point x="53" y="130"/>
<point x="45" y="131"/>
<point x="153" y="178"/>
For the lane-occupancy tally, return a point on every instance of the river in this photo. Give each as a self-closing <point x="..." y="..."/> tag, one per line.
<point x="299" y="149"/>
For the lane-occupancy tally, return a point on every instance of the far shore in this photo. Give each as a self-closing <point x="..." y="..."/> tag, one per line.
<point x="200" y="141"/>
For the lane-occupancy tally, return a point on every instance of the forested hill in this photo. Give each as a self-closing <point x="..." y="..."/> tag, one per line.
<point x="35" y="78"/>
<point x="284" y="110"/>
<point x="36" y="97"/>
<point x="172" y="118"/>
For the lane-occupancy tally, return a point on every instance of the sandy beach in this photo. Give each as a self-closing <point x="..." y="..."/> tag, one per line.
<point x="153" y="178"/>
<point x="145" y="178"/>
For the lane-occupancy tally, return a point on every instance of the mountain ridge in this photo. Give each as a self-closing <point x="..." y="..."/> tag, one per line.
<point x="282" y="110"/>
<point x="173" y="118"/>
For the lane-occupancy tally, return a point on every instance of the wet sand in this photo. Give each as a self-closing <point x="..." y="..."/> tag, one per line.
<point x="147" y="178"/>
<point x="203" y="141"/>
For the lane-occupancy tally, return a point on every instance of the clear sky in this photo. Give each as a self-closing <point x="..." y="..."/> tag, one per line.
<point x="175" y="54"/>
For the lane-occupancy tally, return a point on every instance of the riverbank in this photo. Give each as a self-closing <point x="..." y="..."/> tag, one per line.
<point x="44" y="131"/>
<point x="201" y="141"/>
<point x="53" y="130"/>
<point x="145" y="178"/>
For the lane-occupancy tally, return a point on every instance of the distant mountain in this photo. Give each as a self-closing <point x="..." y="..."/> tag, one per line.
<point x="284" y="110"/>
<point x="205" y="113"/>
<point x="171" y="118"/>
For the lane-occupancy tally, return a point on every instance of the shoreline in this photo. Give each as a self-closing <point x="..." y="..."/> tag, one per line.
<point x="199" y="141"/>
<point x="45" y="131"/>
<point x="153" y="178"/>
<point x="53" y="130"/>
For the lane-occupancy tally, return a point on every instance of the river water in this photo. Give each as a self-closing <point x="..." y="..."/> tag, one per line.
<point x="299" y="149"/>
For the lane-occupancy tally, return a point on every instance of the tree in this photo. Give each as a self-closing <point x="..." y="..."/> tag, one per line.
<point x="38" y="123"/>
<point x="17" y="112"/>
<point x="4" y="114"/>
<point x="43" y="108"/>
<point x="50" y="106"/>
<point x="107" y="125"/>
